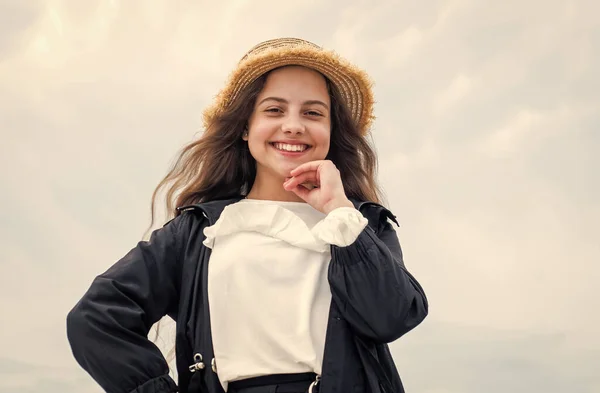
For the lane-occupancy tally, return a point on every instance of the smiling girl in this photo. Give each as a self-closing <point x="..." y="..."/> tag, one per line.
<point x="280" y="267"/>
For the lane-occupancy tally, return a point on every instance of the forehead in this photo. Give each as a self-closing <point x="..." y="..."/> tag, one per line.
<point x="295" y="80"/>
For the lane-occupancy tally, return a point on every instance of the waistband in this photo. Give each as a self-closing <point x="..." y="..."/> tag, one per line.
<point x="286" y="383"/>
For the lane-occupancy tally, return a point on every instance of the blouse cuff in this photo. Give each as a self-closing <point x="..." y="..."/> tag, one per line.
<point x="340" y="227"/>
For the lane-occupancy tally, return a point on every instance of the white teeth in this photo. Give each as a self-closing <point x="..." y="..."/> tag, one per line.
<point x="287" y="147"/>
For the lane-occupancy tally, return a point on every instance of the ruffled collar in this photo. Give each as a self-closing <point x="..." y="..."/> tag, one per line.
<point x="270" y="218"/>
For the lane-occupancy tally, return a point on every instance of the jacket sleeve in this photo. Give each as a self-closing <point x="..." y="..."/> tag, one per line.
<point x="108" y="328"/>
<point x="376" y="295"/>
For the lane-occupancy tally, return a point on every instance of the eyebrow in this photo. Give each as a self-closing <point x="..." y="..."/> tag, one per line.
<point x="284" y="101"/>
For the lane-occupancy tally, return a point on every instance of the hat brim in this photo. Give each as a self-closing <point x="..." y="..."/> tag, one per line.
<point x="353" y="83"/>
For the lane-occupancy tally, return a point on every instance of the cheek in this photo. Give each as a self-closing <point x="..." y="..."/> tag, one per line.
<point x="255" y="148"/>
<point x="325" y="151"/>
<point x="260" y="132"/>
<point x="324" y="140"/>
<point x="257" y="145"/>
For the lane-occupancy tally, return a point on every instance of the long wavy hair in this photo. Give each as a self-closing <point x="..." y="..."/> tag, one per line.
<point x="218" y="165"/>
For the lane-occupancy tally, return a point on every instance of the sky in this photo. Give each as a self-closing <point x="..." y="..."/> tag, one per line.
<point x="488" y="121"/>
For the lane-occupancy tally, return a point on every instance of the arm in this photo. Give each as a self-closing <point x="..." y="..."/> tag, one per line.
<point x="108" y="328"/>
<point x="376" y="295"/>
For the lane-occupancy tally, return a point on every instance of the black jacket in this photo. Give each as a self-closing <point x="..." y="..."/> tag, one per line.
<point x="374" y="301"/>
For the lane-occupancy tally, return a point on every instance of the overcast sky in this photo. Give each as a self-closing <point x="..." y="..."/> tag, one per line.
<point x="488" y="122"/>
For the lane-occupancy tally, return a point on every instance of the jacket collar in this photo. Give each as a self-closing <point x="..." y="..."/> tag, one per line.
<point x="212" y="210"/>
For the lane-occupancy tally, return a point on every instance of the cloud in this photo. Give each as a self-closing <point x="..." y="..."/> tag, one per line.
<point x="460" y="86"/>
<point x="471" y="358"/>
<point x="529" y="127"/>
<point x="30" y="377"/>
<point x="486" y="132"/>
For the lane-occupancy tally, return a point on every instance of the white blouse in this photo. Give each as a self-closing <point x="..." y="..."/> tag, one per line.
<point x="268" y="291"/>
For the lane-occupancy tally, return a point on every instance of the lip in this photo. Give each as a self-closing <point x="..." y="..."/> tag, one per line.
<point x="290" y="153"/>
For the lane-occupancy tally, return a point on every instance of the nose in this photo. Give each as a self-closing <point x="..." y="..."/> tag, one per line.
<point x="293" y="125"/>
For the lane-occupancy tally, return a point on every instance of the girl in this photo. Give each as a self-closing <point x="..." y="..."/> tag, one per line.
<point x="280" y="267"/>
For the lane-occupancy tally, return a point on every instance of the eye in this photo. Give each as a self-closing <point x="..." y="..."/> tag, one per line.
<point x="274" y="110"/>
<point x="314" y="113"/>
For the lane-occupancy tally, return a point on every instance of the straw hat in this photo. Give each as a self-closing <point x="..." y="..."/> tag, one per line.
<point x="353" y="83"/>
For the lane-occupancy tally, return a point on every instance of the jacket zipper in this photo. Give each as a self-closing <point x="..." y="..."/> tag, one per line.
<point x="198" y="365"/>
<point x="198" y="360"/>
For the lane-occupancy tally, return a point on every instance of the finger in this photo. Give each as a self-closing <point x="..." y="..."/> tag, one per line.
<point x="307" y="184"/>
<point x="302" y="178"/>
<point x="301" y="191"/>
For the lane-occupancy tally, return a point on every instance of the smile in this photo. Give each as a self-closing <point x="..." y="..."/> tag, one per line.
<point x="284" y="147"/>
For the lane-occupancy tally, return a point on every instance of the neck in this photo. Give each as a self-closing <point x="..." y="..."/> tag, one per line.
<point x="270" y="188"/>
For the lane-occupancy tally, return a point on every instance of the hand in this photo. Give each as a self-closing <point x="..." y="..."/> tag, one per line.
<point x="328" y="192"/>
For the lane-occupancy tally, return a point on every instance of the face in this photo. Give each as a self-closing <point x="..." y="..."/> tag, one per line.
<point x="290" y="123"/>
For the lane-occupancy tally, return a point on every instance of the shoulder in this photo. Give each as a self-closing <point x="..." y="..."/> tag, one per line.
<point x="208" y="211"/>
<point x="376" y="213"/>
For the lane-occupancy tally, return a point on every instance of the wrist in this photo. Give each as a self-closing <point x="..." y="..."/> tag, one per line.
<point x="336" y="203"/>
